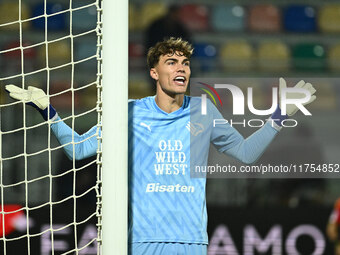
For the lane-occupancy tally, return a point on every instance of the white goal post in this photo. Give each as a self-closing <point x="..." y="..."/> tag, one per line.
<point x="77" y="52"/>
<point x="115" y="96"/>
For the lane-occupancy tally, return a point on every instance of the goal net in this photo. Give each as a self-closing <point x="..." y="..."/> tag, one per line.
<point x="49" y="203"/>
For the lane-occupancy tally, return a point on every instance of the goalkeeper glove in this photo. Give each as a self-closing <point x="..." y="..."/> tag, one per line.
<point x="35" y="97"/>
<point x="291" y="109"/>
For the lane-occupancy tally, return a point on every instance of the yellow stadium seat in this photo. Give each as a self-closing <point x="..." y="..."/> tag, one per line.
<point x="59" y="53"/>
<point x="237" y="56"/>
<point x="150" y="12"/>
<point x="334" y="58"/>
<point x="273" y="56"/>
<point x="9" y="12"/>
<point x="329" y="18"/>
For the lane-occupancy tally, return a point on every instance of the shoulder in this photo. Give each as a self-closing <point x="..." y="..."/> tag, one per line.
<point x="194" y="100"/>
<point x="190" y="101"/>
<point x="141" y="103"/>
<point x="197" y="102"/>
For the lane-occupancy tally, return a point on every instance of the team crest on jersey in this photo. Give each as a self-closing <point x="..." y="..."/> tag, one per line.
<point x="195" y="128"/>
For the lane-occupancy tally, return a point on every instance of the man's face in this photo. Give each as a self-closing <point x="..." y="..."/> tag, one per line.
<point x="172" y="73"/>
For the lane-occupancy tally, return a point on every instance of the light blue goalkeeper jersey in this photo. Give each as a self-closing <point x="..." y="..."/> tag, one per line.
<point x="165" y="203"/>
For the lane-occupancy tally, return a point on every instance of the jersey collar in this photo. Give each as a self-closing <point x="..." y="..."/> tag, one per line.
<point x="175" y="113"/>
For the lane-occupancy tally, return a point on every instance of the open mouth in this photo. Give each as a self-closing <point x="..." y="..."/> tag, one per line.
<point x="180" y="80"/>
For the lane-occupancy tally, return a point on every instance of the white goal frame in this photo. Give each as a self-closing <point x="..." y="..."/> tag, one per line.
<point x="111" y="186"/>
<point x="115" y="127"/>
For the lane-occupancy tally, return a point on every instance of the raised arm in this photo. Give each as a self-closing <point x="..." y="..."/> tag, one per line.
<point x="75" y="146"/>
<point x="85" y="145"/>
<point x="229" y="141"/>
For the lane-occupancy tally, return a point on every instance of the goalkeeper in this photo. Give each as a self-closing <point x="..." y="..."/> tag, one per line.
<point x="167" y="208"/>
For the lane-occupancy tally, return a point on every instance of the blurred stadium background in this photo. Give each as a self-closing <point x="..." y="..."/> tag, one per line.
<point x="241" y="38"/>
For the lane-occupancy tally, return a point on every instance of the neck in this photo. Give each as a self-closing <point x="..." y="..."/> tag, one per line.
<point x="169" y="103"/>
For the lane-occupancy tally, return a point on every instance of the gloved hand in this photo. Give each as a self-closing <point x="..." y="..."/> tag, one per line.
<point x="35" y="97"/>
<point x="291" y="109"/>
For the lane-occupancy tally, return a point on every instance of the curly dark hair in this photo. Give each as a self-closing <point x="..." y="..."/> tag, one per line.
<point x="168" y="46"/>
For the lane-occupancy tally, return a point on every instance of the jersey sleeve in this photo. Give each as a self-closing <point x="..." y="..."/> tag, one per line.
<point x="85" y="145"/>
<point x="229" y="141"/>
